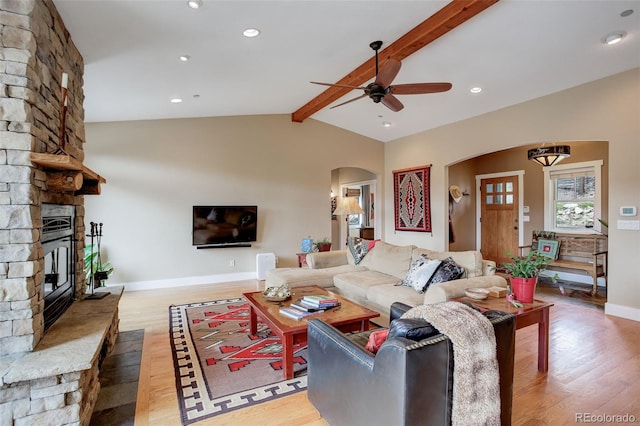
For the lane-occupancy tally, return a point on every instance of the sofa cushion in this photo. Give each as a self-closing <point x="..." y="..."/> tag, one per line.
<point x="470" y="260"/>
<point x="448" y="270"/>
<point x="389" y="259"/>
<point x="412" y="328"/>
<point x="420" y="273"/>
<point x="297" y="277"/>
<point x="383" y="296"/>
<point x="356" y="284"/>
<point x="376" y="339"/>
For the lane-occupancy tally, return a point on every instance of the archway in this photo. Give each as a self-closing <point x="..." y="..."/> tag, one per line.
<point x="363" y="184"/>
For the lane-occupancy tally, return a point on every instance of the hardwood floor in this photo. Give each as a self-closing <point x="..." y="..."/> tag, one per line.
<point x="594" y="365"/>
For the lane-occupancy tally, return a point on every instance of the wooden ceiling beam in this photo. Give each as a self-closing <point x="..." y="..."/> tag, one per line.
<point x="449" y="17"/>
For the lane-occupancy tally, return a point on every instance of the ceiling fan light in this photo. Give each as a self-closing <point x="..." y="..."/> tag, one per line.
<point x="549" y="155"/>
<point x="195" y="4"/>
<point x="251" y="32"/>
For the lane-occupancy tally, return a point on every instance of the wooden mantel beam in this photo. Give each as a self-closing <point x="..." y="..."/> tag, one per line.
<point x="449" y="17"/>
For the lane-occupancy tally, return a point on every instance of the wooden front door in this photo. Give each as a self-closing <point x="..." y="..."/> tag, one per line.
<point x="499" y="218"/>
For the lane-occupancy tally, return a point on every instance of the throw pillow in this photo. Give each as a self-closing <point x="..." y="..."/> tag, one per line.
<point x="420" y="273"/>
<point x="412" y="328"/>
<point x="359" y="248"/>
<point x="448" y="270"/>
<point x="376" y="339"/>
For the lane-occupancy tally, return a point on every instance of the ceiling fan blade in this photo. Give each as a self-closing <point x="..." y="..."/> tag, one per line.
<point x="392" y="103"/>
<point x="338" y="85"/>
<point x="350" y="100"/>
<point x="419" y="88"/>
<point x="388" y="72"/>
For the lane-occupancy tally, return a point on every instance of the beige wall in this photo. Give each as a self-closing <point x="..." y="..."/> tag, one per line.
<point x="157" y="170"/>
<point x="604" y="110"/>
<point x="463" y="174"/>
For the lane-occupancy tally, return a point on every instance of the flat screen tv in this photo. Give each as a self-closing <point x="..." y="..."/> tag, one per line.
<point x="224" y="225"/>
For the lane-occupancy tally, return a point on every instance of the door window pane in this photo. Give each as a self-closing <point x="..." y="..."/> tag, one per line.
<point x="498" y="199"/>
<point x="489" y="188"/>
<point x="509" y="198"/>
<point x="509" y="186"/>
<point x="489" y="199"/>
<point x="498" y="187"/>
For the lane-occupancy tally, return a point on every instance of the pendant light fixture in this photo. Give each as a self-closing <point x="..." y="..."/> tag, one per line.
<point x="549" y="155"/>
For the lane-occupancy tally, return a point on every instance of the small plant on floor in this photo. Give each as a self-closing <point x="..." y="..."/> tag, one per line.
<point x="101" y="271"/>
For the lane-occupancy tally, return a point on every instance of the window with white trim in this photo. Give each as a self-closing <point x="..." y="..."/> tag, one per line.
<point x="573" y="197"/>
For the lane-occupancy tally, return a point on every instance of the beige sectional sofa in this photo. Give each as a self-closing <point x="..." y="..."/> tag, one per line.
<point x="373" y="282"/>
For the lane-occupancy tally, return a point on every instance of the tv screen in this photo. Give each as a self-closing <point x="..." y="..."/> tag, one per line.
<point x="224" y="224"/>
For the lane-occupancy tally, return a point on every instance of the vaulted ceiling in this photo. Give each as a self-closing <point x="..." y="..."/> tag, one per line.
<point x="515" y="50"/>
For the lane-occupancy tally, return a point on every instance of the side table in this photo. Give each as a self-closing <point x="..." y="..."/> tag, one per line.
<point x="302" y="259"/>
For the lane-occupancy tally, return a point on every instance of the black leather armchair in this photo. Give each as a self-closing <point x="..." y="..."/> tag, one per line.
<point x="405" y="383"/>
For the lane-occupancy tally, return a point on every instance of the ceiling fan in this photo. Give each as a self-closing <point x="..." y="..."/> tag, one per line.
<point x="382" y="91"/>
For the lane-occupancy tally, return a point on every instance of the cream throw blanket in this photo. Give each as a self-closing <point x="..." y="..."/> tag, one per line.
<point x="476" y="380"/>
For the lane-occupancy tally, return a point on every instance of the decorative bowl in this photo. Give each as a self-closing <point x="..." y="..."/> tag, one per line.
<point x="477" y="293"/>
<point x="277" y="298"/>
<point x="277" y="294"/>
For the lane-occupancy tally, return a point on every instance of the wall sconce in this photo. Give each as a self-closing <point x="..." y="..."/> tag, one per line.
<point x="549" y="155"/>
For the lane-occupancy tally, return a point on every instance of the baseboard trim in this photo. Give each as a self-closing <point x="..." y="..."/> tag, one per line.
<point x="622" y="311"/>
<point x="186" y="281"/>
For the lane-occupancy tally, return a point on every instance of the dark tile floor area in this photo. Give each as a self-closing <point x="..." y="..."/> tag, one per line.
<point x="116" y="403"/>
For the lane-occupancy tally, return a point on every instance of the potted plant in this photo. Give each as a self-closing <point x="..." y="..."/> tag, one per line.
<point x="524" y="272"/>
<point x="322" y="244"/>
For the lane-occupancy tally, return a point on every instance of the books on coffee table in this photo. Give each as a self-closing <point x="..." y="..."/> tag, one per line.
<point x="320" y="301"/>
<point x="294" y="313"/>
<point x="307" y="306"/>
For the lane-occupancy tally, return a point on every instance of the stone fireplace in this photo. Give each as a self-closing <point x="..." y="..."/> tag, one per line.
<point x="52" y="341"/>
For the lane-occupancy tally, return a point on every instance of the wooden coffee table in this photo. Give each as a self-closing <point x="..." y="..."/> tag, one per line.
<point x="531" y="313"/>
<point x="347" y="317"/>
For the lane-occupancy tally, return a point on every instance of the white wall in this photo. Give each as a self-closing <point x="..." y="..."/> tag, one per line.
<point x="607" y="109"/>
<point x="157" y="170"/>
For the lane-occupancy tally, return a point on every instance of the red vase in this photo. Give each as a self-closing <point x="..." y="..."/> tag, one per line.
<point x="524" y="288"/>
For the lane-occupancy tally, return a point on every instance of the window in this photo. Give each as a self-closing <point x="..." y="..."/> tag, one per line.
<point x="572" y="197"/>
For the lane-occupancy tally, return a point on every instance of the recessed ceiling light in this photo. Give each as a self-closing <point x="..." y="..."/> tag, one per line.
<point x="251" y="32"/>
<point x="185" y="58"/>
<point x="176" y="100"/>
<point x="613" y="38"/>
<point x="195" y="4"/>
<point x="475" y="89"/>
<point x="386" y="124"/>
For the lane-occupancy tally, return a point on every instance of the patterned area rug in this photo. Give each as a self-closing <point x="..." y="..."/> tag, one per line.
<point x="220" y="367"/>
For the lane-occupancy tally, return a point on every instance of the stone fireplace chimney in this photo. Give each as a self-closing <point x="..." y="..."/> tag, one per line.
<point x="35" y="51"/>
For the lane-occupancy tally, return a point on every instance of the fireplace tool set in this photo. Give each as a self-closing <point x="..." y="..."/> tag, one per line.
<point x="97" y="275"/>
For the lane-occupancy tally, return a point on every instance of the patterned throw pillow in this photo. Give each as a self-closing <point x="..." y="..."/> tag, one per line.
<point x="359" y="248"/>
<point x="420" y="273"/>
<point x="448" y="270"/>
